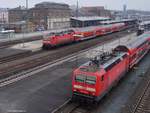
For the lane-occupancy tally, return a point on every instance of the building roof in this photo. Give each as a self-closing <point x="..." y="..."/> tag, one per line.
<point x="93" y="7"/>
<point x="94" y="18"/>
<point x="19" y="8"/>
<point x="117" y="21"/>
<point x="3" y="9"/>
<point x="51" y="5"/>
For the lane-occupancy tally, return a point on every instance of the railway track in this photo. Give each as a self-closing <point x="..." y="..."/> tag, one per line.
<point x="10" y="69"/>
<point x="18" y="56"/>
<point x="143" y="105"/>
<point x="141" y="99"/>
<point x="71" y="107"/>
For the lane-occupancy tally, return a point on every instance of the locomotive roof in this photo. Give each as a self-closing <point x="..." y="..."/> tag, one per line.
<point x="114" y="60"/>
<point x="105" y="61"/>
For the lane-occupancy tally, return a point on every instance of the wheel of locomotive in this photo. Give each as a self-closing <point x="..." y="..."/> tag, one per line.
<point x="44" y="47"/>
<point x="73" y="98"/>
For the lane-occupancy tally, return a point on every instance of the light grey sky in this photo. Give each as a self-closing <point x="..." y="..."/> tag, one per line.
<point x="109" y="4"/>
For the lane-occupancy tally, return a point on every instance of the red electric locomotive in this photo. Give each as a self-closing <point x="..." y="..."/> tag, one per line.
<point x="95" y="78"/>
<point x="60" y="38"/>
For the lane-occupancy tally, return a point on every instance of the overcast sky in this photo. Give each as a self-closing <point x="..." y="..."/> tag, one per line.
<point x="109" y="4"/>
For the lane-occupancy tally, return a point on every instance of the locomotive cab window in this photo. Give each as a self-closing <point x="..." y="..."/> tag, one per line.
<point x="80" y="78"/>
<point x="86" y="79"/>
<point x="91" y="80"/>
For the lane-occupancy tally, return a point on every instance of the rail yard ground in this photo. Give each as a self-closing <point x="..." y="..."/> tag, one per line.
<point x="140" y="99"/>
<point x="49" y="88"/>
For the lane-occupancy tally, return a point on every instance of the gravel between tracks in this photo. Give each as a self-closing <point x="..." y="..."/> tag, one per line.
<point x="139" y="102"/>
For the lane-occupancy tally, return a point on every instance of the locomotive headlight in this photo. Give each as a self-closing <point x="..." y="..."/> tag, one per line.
<point x="91" y="89"/>
<point x="74" y="90"/>
<point x="78" y="35"/>
<point x="78" y="86"/>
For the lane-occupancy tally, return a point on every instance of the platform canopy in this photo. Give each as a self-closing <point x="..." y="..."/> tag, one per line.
<point x="94" y="18"/>
<point x="87" y="21"/>
<point x="118" y="21"/>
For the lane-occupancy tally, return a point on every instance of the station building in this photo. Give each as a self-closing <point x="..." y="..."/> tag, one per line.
<point x="50" y="15"/>
<point x="3" y="15"/>
<point x="17" y="14"/>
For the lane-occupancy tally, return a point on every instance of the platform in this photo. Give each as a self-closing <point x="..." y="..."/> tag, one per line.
<point x="20" y="36"/>
<point x="31" y="46"/>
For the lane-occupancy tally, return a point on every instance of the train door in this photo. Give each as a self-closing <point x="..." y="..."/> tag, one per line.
<point x="127" y="63"/>
<point x="104" y="82"/>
